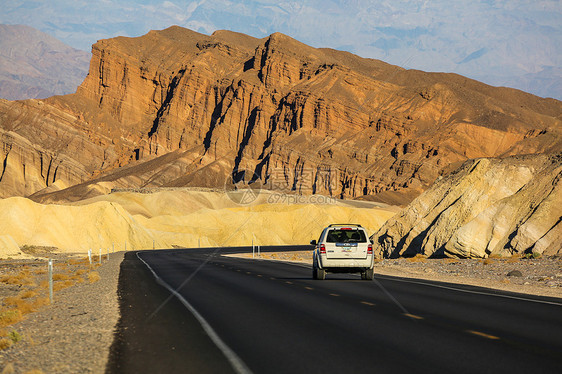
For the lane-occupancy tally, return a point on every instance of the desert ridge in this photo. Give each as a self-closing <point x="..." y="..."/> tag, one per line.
<point x="170" y="219"/>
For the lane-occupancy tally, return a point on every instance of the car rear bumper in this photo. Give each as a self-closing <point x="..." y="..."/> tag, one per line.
<point x="343" y="264"/>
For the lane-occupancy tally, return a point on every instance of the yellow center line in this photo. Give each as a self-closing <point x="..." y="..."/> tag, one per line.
<point x="259" y="275"/>
<point x="412" y="316"/>
<point x="248" y="273"/>
<point x="289" y="282"/>
<point x="482" y="334"/>
<point x="309" y="288"/>
<point x="367" y="303"/>
<point x="334" y="294"/>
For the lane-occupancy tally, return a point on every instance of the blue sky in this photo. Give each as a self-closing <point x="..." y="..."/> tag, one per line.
<point x="512" y="42"/>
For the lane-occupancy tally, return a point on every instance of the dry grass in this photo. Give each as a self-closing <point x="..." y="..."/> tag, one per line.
<point x="27" y="294"/>
<point x="23" y="278"/>
<point x="60" y="277"/>
<point x="5" y="343"/>
<point x="57" y="286"/>
<point x="93" y="277"/>
<point x="82" y="261"/>
<point x="417" y="258"/>
<point x="34" y="371"/>
<point x="488" y="261"/>
<point x="451" y="260"/>
<point x="80" y="272"/>
<point x="9" y="317"/>
<point x="513" y="259"/>
<point x="23" y="306"/>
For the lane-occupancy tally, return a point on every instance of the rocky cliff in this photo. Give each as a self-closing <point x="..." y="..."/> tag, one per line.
<point x="486" y="207"/>
<point x="181" y="108"/>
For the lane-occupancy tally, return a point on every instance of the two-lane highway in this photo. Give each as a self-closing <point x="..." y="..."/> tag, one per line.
<point x="195" y="310"/>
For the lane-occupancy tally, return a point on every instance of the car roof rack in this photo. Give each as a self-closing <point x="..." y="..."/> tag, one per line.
<point x="344" y="224"/>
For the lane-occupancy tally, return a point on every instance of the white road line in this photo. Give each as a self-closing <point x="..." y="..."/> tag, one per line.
<point x="474" y="292"/>
<point x="237" y="364"/>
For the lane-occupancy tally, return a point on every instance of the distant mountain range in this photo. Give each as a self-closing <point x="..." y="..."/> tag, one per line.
<point x="512" y="43"/>
<point x="36" y="65"/>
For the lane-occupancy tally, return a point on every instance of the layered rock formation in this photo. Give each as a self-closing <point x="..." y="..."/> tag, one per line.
<point x="42" y="147"/>
<point x="186" y="109"/>
<point x="486" y="207"/>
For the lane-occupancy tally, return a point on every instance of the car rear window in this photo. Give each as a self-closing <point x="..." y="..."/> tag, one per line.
<point x="346" y="236"/>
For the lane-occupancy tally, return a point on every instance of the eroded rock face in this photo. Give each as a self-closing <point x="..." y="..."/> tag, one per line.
<point x="301" y="119"/>
<point x="487" y="206"/>
<point x="41" y="149"/>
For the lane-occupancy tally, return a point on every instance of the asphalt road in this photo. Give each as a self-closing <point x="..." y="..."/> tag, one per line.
<point x="243" y="315"/>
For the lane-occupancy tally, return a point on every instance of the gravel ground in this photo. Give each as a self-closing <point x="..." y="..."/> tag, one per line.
<point x="72" y="335"/>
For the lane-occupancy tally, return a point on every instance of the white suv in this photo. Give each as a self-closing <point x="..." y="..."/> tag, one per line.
<point x="343" y="249"/>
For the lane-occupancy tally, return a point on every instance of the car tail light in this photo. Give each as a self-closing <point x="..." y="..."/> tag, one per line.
<point x="370" y="249"/>
<point x="322" y="248"/>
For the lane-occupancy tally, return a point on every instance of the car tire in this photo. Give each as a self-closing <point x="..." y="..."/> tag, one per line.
<point x="369" y="274"/>
<point x="321" y="273"/>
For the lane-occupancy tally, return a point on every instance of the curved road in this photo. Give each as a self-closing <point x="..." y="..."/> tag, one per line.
<point x="197" y="311"/>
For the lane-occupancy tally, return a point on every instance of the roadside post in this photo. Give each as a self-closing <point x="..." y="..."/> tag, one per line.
<point x="50" y="267"/>
<point x="90" y="255"/>
<point x="253" y="248"/>
<point x="100" y="256"/>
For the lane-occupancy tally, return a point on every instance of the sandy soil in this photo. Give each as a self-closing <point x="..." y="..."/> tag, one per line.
<point x="183" y="217"/>
<point x="541" y="276"/>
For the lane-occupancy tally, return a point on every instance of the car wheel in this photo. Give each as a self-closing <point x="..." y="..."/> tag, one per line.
<point x="369" y="274"/>
<point x="321" y="274"/>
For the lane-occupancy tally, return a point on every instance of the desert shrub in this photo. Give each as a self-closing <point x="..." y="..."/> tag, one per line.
<point x="81" y="261"/>
<point x="23" y="306"/>
<point x="27" y="294"/>
<point x="5" y="343"/>
<point x="14" y="336"/>
<point x="40" y="302"/>
<point x="9" y="317"/>
<point x="417" y="258"/>
<point x="60" y="277"/>
<point x="23" y="278"/>
<point x="62" y="285"/>
<point x="93" y="277"/>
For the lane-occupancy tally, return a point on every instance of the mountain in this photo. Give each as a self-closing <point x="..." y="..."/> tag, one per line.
<point x="510" y="43"/>
<point x="36" y="65"/>
<point x="486" y="207"/>
<point x="179" y="108"/>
